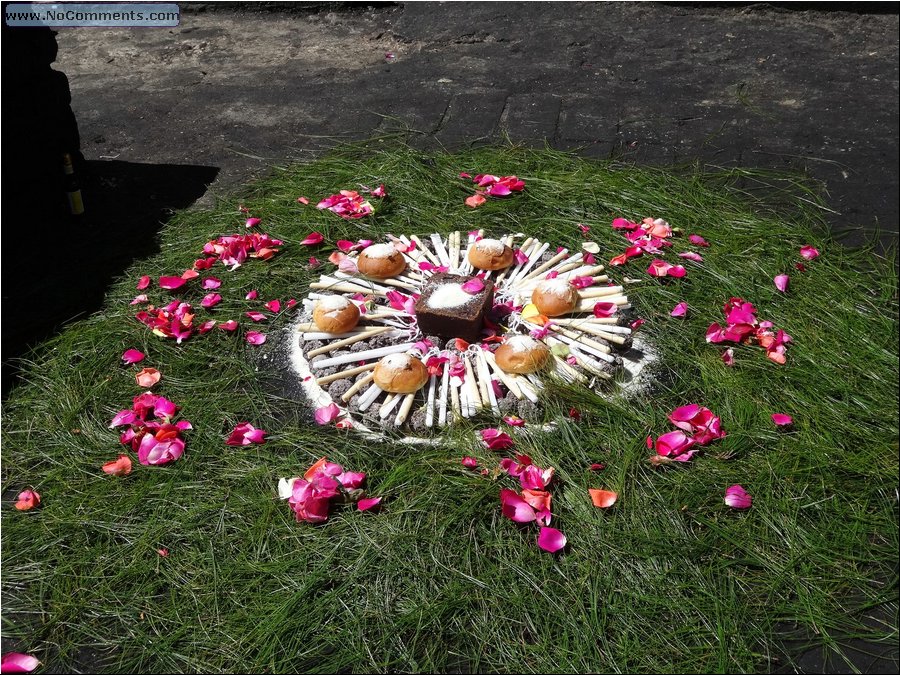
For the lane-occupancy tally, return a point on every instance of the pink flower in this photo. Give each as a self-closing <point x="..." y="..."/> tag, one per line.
<point x="245" y="434"/>
<point x="809" y="252"/>
<point x="495" y="439"/>
<point x="312" y="239"/>
<point x="551" y="540"/>
<point x="738" y="498"/>
<point x="698" y="240"/>
<point x="470" y="462"/>
<point x="475" y="201"/>
<point x="255" y="337"/>
<point x="728" y="357"/>
<point x="27" y="500"/>
<point x="130" y="356"/>
<point x="327" y="413"/>
<point x="781" y="282"/>
<point x="147" y="377"/>
<point x="782" y="420"/>
<point x="680" y="309"/>
<point x="16" y="662"/>
<point x="119" y="467"/>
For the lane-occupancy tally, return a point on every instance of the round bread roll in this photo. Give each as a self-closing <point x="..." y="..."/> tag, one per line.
<point x="522" y="354"/>
<point x="490" y="254"/>
<point x="380" y="261"/>
<point x="554" y="297"/>
<point x="335" y="314"/>
<point x="400" y="374"/>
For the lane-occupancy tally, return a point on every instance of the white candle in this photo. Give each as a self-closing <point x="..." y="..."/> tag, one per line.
<point x="366" y="355"/>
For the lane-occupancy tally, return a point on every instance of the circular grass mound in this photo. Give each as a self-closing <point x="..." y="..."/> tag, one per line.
<point x="667" y="579"/>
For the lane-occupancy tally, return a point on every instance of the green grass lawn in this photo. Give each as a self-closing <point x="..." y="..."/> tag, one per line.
<point x="669" y="579"/>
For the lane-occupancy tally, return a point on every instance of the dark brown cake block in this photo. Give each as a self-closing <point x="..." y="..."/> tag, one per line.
<point x="445" y="310"/>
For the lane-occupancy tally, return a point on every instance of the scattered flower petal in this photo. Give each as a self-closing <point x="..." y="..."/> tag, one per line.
<point x="738" y="498"/>
<point x="369" y="503"/>
<point x="230" y="325"/>
<point x="782" y="420"/>
<point x="605" y="309"/>
<point x="473" y="286"/>
<point x="781" y="282"/>
<point x="495" y="439"/>
<point x="245" y="434"/>
<point x="210" y="300"/>
<point x="312" y="239"/>
<point x="252" y="295"/>
<point x="27" y="500"/>
<point x="147" y="377"/>
<point x="603" y="499"/>
<point x="809" y="252"/>
<point x="16" y="662"/>
<point x="475" y="201"/>
<point x="728" y="357"/>
<point x="303" y="200"/>
<point x="171" y="283"/>
<point x="143" y="283"/>
<point x="690" y="255"/>
<point x="681" y="309"/>
<point x="551" y="540"/>
<point x="698" y="240"/>
<point x="273" y="306"/>
<point x="252" y="222"/>
<point x="132" y="356"/>
<point x="327" y="413"/>
<point x="211" y="283"/>
<point x="255" y="337"/>
<point x="118" y="467"/>
<point x="470" y="462"/>
<point x="257" y="316"/>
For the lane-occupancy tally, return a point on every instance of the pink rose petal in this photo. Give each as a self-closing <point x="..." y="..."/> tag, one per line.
<point x="681" y="309"/>
<point x="255" y="337"/>
<point x="603" y="499"/>
<point x="27" y="500"/>
<point x="551" y="540"/>
<point x="782" y="420"/>
<point x="252" y="295"/>
<point x="147" y="377"/>
<point x="119" y="467"/>
<point x="229" y="326"/>
<point x="303" y="200"/>
<point x="273" y="306"/>
<point x="781" y="282"/>
<point x="312" y="239"/>
<point x="211" y="300"/>
<point x="132" y="356"/>
<point x="475" y="201"/>
<point x="252" y="222"/>
<point x="605" y="309"/>
<point x="245" y="434"/>
<point x="473" y="286"/>
<point x="495" y="439"/>
<point x="211" y="283"/>
<point x="738" y="498"/>
<point x="143" y="283"/>
<point x="728" y="357"/>
<point x="257" y="316"/>
<point x="698" y="240"/>
<point x="16" y="662"/>
<point x="470" y="462"/>
<point x="369" y="503"/>
<point x="187" y="275"/>
<point x="809" y="252"/>
<point x="515" y="508"/>
<point x="690" y="255"/>
<point x="327" y="413"/>
<point x="171" y="283"/>
<point x="140" y="299"/>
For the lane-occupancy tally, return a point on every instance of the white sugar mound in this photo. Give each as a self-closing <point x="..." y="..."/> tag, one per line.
<point x="448" y="296"/>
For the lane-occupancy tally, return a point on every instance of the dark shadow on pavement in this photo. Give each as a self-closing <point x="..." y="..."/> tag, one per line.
<point x="56" y="268"/>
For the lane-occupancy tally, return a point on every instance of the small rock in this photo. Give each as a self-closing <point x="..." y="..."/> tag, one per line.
<point x="508" y="404"/>
<point x="339" y="388"/>
<point x="529" y="411"/>
<point x="360" y="346"/>
<point x="417" y="420"/>
<point x="310" y="345"/>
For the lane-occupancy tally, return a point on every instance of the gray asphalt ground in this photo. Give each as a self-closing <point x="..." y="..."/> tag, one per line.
<point x="748" y="85"/>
